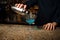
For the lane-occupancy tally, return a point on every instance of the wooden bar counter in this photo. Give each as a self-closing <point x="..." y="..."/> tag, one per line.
<point x="25" y="32"/>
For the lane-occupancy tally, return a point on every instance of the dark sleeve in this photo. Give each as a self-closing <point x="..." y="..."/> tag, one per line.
<point x="57" y="15"/>
<point x="30" y="3"/>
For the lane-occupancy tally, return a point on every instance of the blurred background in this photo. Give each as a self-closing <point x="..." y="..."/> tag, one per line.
<point x="9" y="16"/>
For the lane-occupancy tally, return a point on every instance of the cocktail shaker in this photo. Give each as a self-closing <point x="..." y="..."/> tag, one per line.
<point x="19" y="10"/>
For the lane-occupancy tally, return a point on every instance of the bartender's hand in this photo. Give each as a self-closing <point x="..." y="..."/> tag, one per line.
<point x="21" y="6"/>
<point x="50" y="26"/>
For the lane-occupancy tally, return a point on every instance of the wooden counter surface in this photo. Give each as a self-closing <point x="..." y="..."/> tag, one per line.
<point x="25" y="32"/>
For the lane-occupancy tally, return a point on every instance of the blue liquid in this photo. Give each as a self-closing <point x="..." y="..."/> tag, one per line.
<point x="30" y="21"/>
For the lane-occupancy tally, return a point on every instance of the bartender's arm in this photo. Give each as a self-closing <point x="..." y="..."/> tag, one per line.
<point x="48" y="26"/>
<point x="55" y="20"/>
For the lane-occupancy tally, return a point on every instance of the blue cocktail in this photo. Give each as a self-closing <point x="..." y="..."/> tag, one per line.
<point x="30" y="21"/>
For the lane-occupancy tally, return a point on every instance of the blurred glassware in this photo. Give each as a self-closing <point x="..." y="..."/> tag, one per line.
<point x="29" y="17"/>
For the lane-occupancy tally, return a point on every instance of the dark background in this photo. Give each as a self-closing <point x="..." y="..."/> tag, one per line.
<point x="9" y="16"/>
